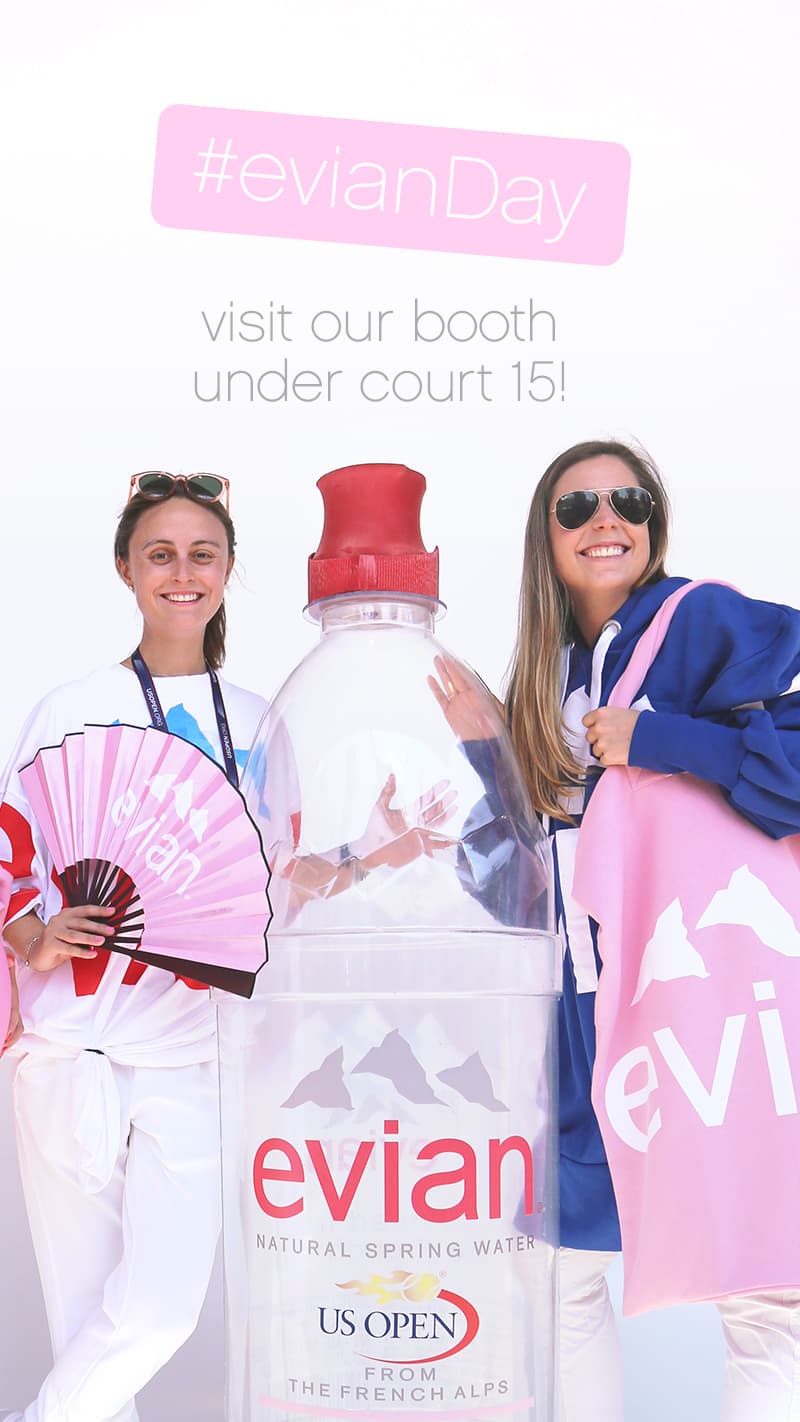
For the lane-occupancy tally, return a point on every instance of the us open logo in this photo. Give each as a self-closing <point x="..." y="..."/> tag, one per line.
<point x="409" y="1318"/>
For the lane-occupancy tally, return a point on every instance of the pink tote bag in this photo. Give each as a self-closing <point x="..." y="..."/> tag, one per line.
<point x="697" y="1077"/>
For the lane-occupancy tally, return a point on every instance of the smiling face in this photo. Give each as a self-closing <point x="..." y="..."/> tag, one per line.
<point x="600" y="563"/>
<point x="178" y="564"/>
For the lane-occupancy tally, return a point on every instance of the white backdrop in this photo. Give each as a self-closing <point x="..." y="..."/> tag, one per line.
<point x="686" y="343"/>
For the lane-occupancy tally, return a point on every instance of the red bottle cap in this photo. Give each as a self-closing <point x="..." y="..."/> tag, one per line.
<point x="371" y="540"/>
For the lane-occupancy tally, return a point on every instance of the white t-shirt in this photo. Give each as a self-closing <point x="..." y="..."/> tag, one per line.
<point x="134" y="1014"/>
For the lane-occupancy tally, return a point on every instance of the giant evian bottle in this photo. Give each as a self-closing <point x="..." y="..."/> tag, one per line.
<point x="388" y="1108"/>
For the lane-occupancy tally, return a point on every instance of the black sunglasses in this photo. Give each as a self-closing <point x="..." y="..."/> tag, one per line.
<point x="631" y="502"/>
<point x="157" y="484"/>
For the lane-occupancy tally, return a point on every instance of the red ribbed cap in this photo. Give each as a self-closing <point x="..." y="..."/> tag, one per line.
<point x="371" y="540"/>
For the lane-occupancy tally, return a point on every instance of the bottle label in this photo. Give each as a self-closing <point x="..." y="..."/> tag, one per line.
<point x="390" y="1207"/>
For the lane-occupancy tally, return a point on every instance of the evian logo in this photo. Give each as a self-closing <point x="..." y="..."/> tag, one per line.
<point x="707" y="1079"/>
<point x="389" y="1313"/>
<point x="469" y="1184"/>
<point x="160" y="847"/>
<point x="472" y="1186"/>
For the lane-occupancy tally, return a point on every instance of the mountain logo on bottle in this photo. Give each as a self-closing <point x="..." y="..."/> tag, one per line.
<point x="395" y="1061"/>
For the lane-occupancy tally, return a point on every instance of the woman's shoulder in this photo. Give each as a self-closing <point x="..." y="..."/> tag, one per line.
<point x="720" y="610"/>
<point x="94" y="698"/>
<point x="246" y="708"/>
<point x="251" y="700"/>
<point x="73" y="697"/>
<point x="747" y="649"/>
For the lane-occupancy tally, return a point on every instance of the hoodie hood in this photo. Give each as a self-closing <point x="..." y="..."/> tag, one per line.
<point x="631" y="619"/>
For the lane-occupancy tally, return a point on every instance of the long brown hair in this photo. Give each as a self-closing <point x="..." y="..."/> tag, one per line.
<point x="214" y="638"/>
<point x="546" y="624"/>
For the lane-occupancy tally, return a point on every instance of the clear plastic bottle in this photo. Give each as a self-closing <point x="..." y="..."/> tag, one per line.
<point x="388" y="1096"/>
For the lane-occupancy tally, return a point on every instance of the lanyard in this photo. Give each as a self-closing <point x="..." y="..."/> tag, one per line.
<point x="159" y="720"/>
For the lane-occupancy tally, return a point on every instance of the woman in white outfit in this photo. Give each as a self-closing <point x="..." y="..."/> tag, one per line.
<point x="115" y="1075"/>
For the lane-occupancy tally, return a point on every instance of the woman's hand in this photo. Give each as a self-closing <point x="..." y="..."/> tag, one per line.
<point x="72" y="933"/>
<point x="396" y="836"/>
<point x="392" y="837"/>
<point x="15" y="1025"/>
<point x="609" y="732"/>
<point x="469" y="709"/>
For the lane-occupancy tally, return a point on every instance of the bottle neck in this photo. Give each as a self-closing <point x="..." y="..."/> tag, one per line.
<point x="375" y="610"/>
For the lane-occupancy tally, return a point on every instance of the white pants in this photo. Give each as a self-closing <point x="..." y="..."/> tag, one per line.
<point x="762" y="1368"/>
<point x="125" y="1234"/>
<point x="762" y="1340"/>
<point x="589" y="1348"/>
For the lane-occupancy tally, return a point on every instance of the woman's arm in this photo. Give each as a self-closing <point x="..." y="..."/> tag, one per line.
<point x="72" y="933"/>
<point x="15" y="1026"/>
<point x="753" y="755"/>
<point x="724" y="711"/>
<point x="393" y="836"/>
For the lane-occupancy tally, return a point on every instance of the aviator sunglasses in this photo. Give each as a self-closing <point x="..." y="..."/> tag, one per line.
<point x="631" y="502"/>
<point x="203" y="488"/>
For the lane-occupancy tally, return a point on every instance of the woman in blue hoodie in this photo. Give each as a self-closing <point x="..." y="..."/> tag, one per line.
<point x="593" y="578"/>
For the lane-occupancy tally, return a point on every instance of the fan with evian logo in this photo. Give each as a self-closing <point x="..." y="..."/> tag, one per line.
<point x="146" y="823"/>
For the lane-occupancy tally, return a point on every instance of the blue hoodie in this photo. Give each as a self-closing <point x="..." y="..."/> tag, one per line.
<point x="722" y="651"/>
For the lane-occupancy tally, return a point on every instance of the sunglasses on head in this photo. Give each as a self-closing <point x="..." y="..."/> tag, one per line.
<point x="203" y="488"/>
<point x="632" y="503"/>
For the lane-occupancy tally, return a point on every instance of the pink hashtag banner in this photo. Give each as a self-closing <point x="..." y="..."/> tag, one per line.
<point x="391" y="185"/>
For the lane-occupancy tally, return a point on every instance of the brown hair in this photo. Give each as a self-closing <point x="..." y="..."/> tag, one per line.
<point x="214" y="639"/>
<point x="546" y="625"/>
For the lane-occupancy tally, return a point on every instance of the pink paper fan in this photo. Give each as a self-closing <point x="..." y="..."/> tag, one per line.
<point x="146" y="823"/>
